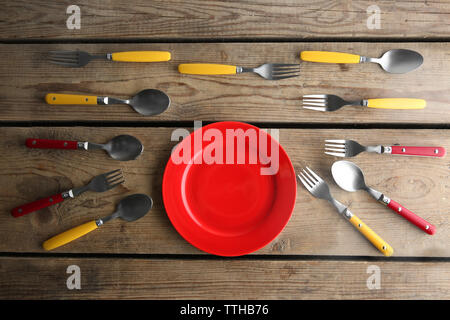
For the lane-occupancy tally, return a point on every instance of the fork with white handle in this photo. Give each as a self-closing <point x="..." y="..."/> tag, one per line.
<point x="350" y="148"/>
<point x="319" y="188"/>
<point x="330" y="102"/>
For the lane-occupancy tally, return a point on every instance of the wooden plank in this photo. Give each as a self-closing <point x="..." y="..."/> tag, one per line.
<point x="265" y="19"/>
<point x="27" y="77"/>
<point x="221" y="279"/>
<point x="420" y="184"/>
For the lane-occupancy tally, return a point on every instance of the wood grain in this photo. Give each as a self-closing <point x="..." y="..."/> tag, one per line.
<point x="175" y="19"/>
<point x="420" y="184"/>
<point x="27" y="77"/>
<point x="224" y="279"/>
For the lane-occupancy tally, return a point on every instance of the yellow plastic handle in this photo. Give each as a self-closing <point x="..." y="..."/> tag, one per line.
<point x="376" y="240"/>
<point x="60" y="98"/>
<point x="206" y="68"/>
<point x="397" y="103"/>
<point x="141" y="56"/>
<point x="329" y="57"/>
<point x="69" y="235"/>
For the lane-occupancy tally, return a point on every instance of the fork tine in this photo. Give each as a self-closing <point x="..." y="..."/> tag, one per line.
<point x="276" y="74"/>
<point x="66" y="64"/>
<point x="110" y="182"/>
<point x="307" y="186"/>
<point x="63" y="52"/>
<point x="314" y="181"/>
<point x="314" y="100"/>
<point x="315" y="104"/>
<point x="114" y="185"/>
<point x="285" y="77"/>
<point x="335" y="145"/>
<point x="315" y="108"/>
<point x="342" y="155"/>
<point x="335" y="141"/>
<point x="314" y="96"/>
<point x="109" y="177"/>
<point x="334" y="149"/>
<point x="315" y="175"/>
<point x="111" y="172"/>
<point x="280" y="65"/>
<point x="64" y="59"/>
<point x="308" y="182"/>
<point x="62" y="56"/>
<point x="284" y="71"/>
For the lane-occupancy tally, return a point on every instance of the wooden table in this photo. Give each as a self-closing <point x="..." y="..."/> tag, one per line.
<point x="318" y="255"/>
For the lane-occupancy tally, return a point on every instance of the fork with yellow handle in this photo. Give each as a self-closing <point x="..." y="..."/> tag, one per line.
<point x="319" y="189"/>
<point x="78" y="58"/>
<point x="330" y="102"/>
<point x="269" y="71"/>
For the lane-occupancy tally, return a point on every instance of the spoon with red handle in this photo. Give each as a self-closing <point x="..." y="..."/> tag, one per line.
<point x="349" y="177"/>
<point x="122" y="148"/>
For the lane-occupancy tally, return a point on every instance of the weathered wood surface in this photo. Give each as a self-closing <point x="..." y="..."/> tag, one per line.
<point x="26" y="77"/>
<point x="420" y="184"/>
<point x="39" y="19"/>
<point x="225" y="279"/>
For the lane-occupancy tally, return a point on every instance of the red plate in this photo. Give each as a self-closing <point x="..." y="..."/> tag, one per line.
<point x="215" y="192"/>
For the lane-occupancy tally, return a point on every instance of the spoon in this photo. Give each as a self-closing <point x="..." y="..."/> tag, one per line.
<point x="122" y="148"/>
<point x="147" y="102"/>
<point x="129" y="209"/>
<point x="393" y="61"/>
<point x="349" y="177"/>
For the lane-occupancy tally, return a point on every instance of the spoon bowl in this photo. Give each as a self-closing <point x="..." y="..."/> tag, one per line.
<point x="348" y="176"/>
<point x="134" y="207"/>
<point x="124" y="148"/>
<point x="400" y="60"/>
<point x="150" y="102"/>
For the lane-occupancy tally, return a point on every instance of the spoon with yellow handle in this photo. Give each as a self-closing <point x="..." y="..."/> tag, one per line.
<point x="393" y="61"/>
<point x="76" y="59"/>
<point x="129" y="209"/>
<point x="147" y="102"/>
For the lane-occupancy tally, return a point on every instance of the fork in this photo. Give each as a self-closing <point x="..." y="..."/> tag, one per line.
<point x="350" y="148"/>
<point x="100" y="183"/>
<point x="319" y="189"/>
<point x="330" y="102"/>
<point x="269" y="71"/>
<point x="78" y="58"/>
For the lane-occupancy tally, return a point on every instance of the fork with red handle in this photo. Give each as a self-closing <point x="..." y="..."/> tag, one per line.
<point x="350" y="148"/>
<point x="100" y="183"/>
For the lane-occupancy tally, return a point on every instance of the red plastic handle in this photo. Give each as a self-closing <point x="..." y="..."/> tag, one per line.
<point x="37" y="205"/>
<point x="412" y="217"/>
<point x="51" y="144"/>
<point x="419" y="151"/>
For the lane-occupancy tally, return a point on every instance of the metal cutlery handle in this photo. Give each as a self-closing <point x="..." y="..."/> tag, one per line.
<point x="38" y="204"/>
<point x="416" y="151"/>
<point x="329" y="57"/>
<point x="206" y="68"/>
<point x="411" y="217"/>
<point x="69" y="235"/>
<point x="140" y="56"/>
<point x="62" y="98"/>
<point x="51" y="144"/>
<point x="370" y="235"/>
<point x="397" y="103"/>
